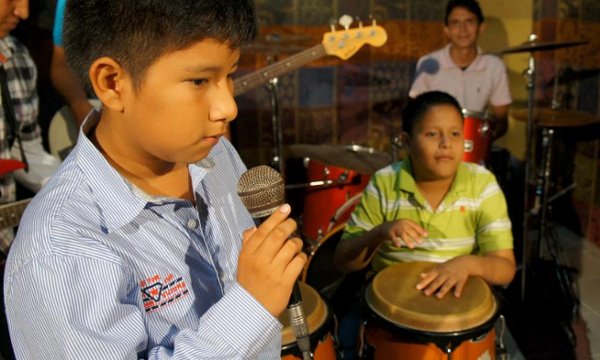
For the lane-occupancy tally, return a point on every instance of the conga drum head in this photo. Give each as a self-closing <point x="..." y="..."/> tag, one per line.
<point x="393" y="296"/>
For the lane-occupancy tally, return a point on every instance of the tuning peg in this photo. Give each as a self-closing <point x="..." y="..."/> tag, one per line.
<point x="332" y="24"/>
<point x="373" y="21"/>
<point x="345" y="21"/>
<point x="360" y="23"/>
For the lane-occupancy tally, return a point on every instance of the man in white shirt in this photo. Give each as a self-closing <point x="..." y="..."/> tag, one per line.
<point x="478" y="81"/>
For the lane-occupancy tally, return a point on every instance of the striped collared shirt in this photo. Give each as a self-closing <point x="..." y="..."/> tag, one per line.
<point x="472" y="217"/>
<point x="99" y="271"/>
<point x="21" y="75"/>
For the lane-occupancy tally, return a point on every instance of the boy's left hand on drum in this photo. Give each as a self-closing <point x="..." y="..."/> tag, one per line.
<point x="443" y="278"/>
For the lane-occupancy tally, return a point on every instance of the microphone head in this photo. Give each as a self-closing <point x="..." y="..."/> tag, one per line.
<point x="261" y="190"/>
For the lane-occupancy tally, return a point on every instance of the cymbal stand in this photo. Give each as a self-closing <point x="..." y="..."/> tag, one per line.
<point x="530" y="74"/>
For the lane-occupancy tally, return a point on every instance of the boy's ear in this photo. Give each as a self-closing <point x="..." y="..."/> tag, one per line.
<point x="405" y="139"/>
<point x="109" y="81"/>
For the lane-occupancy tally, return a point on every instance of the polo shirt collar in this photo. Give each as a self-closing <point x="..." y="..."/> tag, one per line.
<point x="406" y="182"/>
<point x="114" y="194"/>
<point x="477" y="65"/>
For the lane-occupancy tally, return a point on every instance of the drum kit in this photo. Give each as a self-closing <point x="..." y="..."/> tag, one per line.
<point x="401" y="321"/>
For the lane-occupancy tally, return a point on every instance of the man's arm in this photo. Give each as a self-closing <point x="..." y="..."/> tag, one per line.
<point x="66" y="83"/>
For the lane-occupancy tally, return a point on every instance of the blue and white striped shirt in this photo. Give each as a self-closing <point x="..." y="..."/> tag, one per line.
<point x="100" y="271"/>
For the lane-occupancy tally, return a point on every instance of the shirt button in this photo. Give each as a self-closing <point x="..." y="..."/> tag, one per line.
<point x="192" y="224"/>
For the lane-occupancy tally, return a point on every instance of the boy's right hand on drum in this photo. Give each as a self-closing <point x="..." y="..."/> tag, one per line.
<point x="270" y="261"/>
<point x="403" y="233"/>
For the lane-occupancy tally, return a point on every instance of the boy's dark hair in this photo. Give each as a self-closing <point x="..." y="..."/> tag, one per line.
<point x="471" y="5"/>
<point x="416" y="108"/>
<point x="136" y="33"/>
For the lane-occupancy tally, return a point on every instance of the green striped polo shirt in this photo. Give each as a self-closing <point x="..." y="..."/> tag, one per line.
<point x="472" y="218"/>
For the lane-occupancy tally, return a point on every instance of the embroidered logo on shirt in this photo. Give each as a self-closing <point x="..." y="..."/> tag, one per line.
<point x="157" y="292"/>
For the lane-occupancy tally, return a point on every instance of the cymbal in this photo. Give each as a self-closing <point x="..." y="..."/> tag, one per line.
<point x="531" y="46"/>
<point x="352" y="157"/>
<point x="547" y="117"/>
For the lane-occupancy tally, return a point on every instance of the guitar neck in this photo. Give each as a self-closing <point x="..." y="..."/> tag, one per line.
<point x="255" y="79"/>
<point x="10" y="214"/>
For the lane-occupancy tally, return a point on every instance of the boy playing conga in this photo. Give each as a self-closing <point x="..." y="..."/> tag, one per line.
<point x="140" y="247"/>
<point x="432" y="207"/>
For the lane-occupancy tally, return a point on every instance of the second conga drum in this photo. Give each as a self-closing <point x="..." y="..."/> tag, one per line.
<point x="319" y="321"/>
<point x="403" y="323"/>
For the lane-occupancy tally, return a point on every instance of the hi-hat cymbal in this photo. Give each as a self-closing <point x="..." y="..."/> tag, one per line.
<point x="352" y="157"/>
<point x="531" y="46"/>
<point x="547" y="117"/>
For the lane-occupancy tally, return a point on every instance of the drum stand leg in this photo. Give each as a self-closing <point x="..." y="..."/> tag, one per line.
<point x="530" y="72"/>
<point x="547" y="238"/>
<point x="501" y="353"/>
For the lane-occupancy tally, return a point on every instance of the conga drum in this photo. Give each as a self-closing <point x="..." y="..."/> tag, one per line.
<point x="404" y="323"/>
<point x="319" y="321"/>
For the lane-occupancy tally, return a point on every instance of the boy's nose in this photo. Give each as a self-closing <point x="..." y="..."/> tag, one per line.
<point x="224" y="107"/>
<point x="21" y="9"/>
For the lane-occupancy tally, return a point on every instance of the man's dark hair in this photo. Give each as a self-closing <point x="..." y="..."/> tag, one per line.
<point x="136" y="33"/>
<point x="417" y="108"/>
<point x="471" y="5"/>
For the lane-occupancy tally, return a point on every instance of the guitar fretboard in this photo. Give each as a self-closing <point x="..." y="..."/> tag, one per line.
<point x="10" y="214"/>
<point x="293" y="62"/>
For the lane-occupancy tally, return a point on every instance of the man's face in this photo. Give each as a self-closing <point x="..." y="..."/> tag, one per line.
<point x="436" y="144"/>
<point x="11" y="12"/>
<point x="463" y="28"/>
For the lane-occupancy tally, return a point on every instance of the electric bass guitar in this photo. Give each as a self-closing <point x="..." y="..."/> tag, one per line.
<point x="342" y="43"/>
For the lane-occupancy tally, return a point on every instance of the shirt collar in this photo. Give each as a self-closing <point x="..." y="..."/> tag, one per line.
<point x="406" y="182"/>
<point x="7" y="46"/>
<point x="114" y="194"/>
<point x="477" y="65"/>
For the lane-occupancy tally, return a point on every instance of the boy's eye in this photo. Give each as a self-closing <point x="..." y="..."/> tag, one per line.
<point x="456" y="134"/>
<point x="431" y="133"/>
<point x="198" y="82"/>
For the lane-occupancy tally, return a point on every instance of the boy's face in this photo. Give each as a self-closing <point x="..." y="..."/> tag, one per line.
<point x="463" y="28"/>
<point x="11" y="12"/>
<point x="436" y="145"/>
<point x="182" y="106"/>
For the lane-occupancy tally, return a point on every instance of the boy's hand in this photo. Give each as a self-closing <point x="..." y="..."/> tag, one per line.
<point x="443" y="278"/>
<point x="403" y="233"/>
<point x="270" y="261"/>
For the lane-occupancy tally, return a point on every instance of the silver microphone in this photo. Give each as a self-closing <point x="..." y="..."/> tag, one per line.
<point x="262" y="191"/>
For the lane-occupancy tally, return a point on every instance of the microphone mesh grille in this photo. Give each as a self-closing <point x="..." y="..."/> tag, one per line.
<point x="261" y="190"/>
